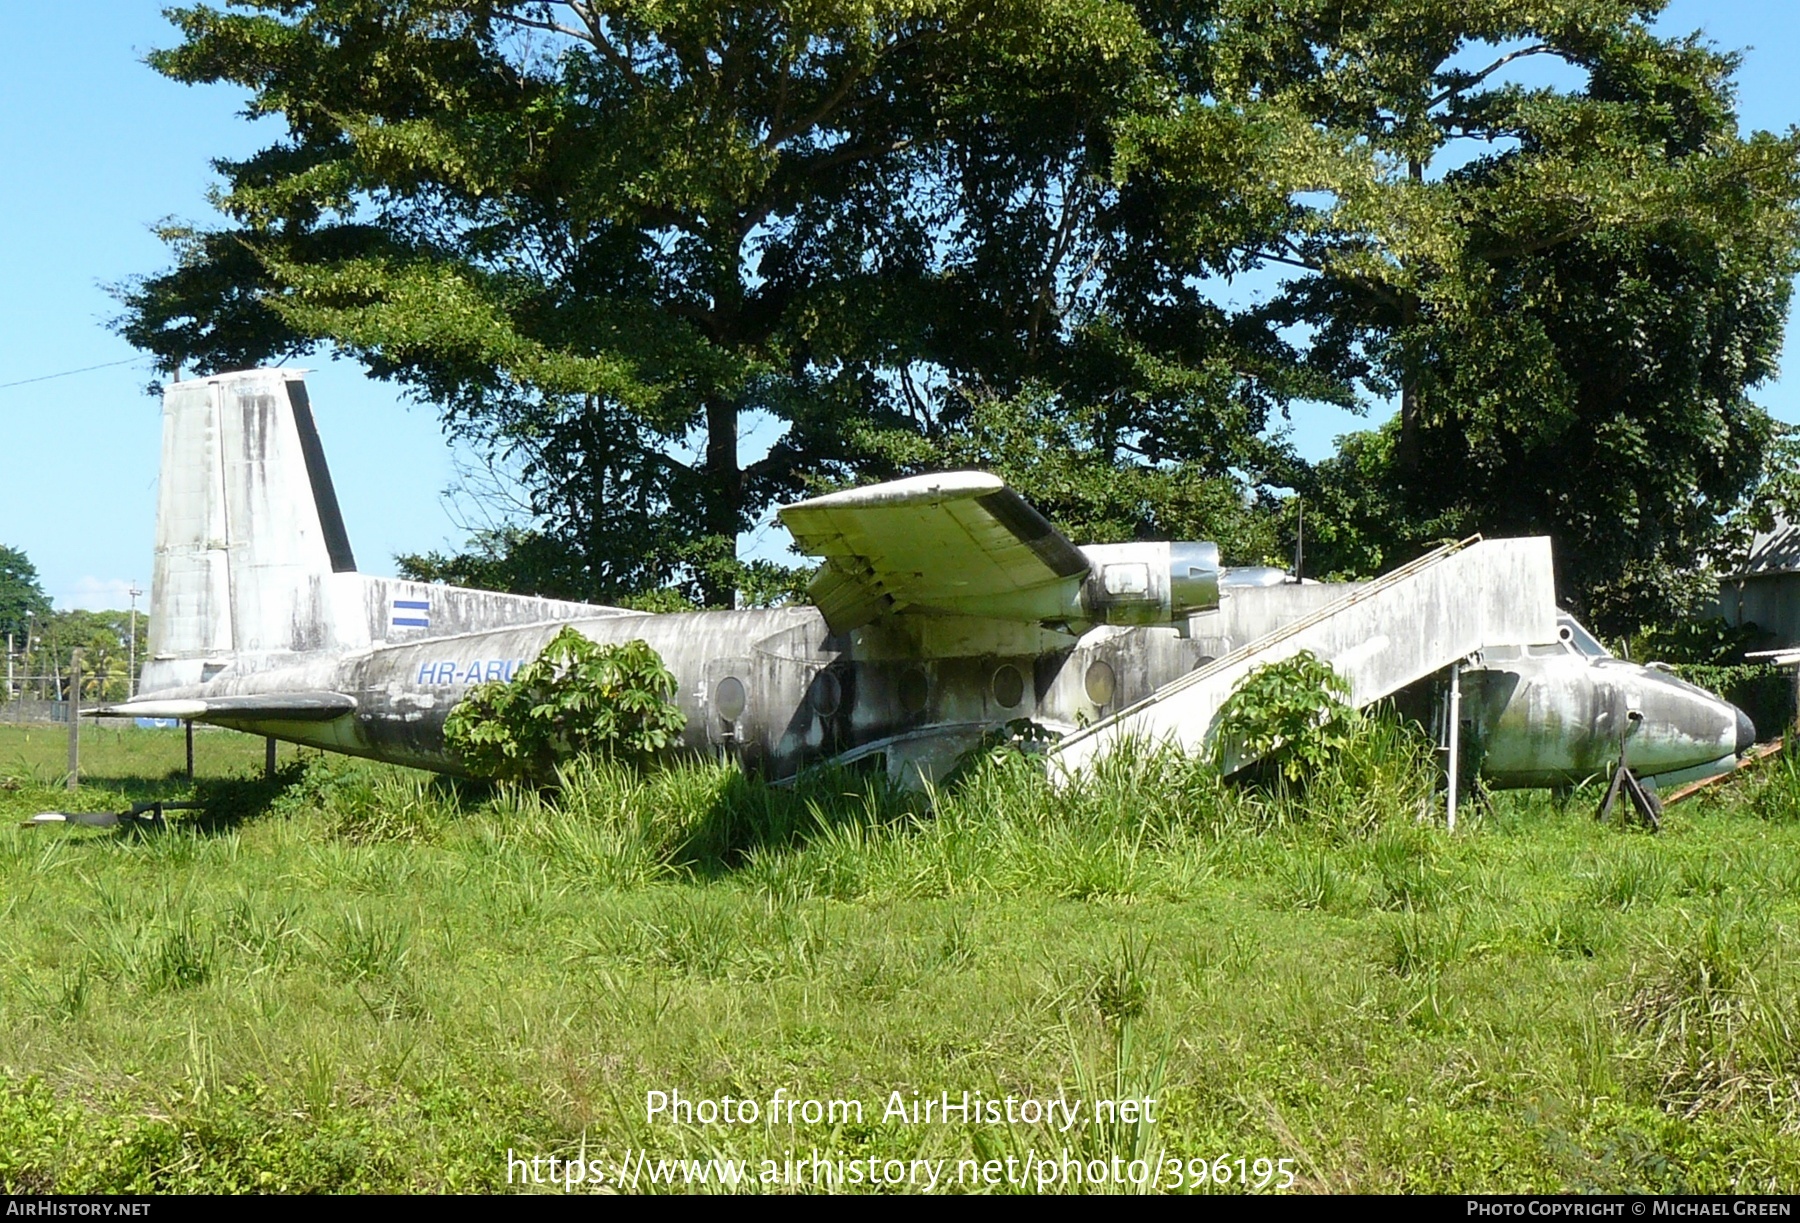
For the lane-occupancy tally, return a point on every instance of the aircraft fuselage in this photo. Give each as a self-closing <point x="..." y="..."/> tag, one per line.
<point x="772" y="687"/>
<point x="775" y="689"/>
<point x="1558" y="718"/>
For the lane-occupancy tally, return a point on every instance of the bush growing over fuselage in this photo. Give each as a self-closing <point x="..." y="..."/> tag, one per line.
<point x="576" y="697"/>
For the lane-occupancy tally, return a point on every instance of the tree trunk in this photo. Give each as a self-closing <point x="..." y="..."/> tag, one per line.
<point x="724" y="492"/>
<point x="1408" y="455"/>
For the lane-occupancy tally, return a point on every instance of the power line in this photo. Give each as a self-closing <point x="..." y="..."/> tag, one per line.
<point x="84" y="369"/>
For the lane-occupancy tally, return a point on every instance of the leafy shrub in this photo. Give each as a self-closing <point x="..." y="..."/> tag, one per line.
<point x="1777" y="794"/>
<point x="1019" y="737"/>
<point x="1711" y="642"/>
<point x="576" y="697"/>
<point x="1290" y="714"/>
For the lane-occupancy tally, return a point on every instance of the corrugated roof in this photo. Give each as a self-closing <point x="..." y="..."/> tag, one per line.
<point x="1776" y="551"/>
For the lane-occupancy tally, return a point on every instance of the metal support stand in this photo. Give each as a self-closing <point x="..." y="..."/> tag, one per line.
<point x="269" y="759"/>
<point x="1454" y="735"/>
<point x="189" y="724"/>
<point x="1648" y="806"/>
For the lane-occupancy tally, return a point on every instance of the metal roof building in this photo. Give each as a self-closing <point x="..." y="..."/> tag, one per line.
<point x="1766" y="591"/>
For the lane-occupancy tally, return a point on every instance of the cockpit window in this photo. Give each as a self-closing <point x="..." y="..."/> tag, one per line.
<point x="1578" y="638"/>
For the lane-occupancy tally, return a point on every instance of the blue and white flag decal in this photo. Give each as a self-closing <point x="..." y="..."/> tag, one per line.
<point x="412" y="613"/>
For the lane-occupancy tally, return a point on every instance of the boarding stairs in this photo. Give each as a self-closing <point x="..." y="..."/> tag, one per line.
<point x="1381" y="636"/>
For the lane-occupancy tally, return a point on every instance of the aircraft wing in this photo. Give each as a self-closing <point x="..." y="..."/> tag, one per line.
<point x="961" y="543"/>
<point x="270" y="707"/>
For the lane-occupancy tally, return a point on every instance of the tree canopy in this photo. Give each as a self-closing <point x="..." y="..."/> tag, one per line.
<point x="104" y="639"/>
<point x="1571" y="318"/>
<point x="21" y="595"/>
<point x="605" y="238"/>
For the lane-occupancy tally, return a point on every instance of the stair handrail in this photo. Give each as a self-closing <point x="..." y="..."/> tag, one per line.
<point x="1251" y="648"/>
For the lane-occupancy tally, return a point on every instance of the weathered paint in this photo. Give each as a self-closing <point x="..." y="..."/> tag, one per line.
<point x="1549" y="716"/>
<point x="1380" y="636"/>
<point x="255" y="597"/>
<point x="1543" y="705"/>
<point x="809" y="695"/>
<point x="249" y="546"/>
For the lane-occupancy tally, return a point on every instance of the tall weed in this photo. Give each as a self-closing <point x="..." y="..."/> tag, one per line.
<point x="1713" y="1032"/>
<point x="1633" y="878"/>
<point x="1777" y="794"/>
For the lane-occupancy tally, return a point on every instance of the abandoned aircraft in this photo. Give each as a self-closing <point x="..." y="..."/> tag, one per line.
<point x="945" y="607"/>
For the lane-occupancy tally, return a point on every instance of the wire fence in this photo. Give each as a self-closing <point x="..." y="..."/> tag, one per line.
<point x="32" y="710"/>
<point x="52" y="688"/>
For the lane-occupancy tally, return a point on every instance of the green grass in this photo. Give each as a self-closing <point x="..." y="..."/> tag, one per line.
<point x="368" y="978"/>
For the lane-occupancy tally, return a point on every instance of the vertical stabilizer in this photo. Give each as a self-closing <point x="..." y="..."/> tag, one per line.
<point x="253" y="565"/>
<point x="247" y="527"/>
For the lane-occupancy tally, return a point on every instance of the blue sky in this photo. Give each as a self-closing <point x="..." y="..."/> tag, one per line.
<point x="94" y="148"/>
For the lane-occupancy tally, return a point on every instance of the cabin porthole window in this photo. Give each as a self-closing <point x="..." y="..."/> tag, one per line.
<point x="729" y="698"/>
<point x="915" y="690"/>
<point x="1100" y="682"/>
<point x="1009" y="687"/>
<point x="827" y="694"/>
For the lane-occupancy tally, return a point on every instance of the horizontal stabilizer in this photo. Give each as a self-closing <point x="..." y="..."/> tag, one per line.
<point x="150" y="812"/>
<point x="273" y="707"/>
<point x="85" y="819"/>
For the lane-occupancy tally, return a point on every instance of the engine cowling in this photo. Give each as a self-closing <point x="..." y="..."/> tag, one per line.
<point x="1150" y="583"/>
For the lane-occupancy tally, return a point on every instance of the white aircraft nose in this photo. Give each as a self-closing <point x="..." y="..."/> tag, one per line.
<point x="1746" y="732"/>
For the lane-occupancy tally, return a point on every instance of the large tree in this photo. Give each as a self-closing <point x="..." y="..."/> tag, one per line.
<point x="22" y="599"/>
<point x="1569" y="290"/>
<point x="104" y="639"/>
<point x="603" y="237"/>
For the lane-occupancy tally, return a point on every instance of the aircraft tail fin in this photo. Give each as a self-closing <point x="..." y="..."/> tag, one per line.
<point x="253" y="564"/>
<point x="247" y="526"/>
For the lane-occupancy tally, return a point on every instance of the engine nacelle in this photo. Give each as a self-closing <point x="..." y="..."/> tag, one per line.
<point x="1151" y="583"/>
